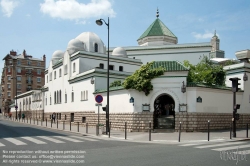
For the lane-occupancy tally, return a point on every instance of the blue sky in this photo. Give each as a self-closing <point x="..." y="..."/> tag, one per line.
<point x="44" y="26"/>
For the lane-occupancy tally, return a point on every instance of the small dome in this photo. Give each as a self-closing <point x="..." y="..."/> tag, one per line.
<point x="75" y="45"/>
<point x="90" y="39"/>
<point x="120" y="52"/>
<point x="57" y="55"/>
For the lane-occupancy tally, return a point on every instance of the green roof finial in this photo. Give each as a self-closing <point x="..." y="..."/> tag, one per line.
<point x="157" y="13"/>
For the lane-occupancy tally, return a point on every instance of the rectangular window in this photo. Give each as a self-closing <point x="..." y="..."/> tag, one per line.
<point x="101" y="66"/>
<point x="8" y="69"/>
<point x="86" y="97"/>
<point x="10" y="62"/>
<point x="50" y="76"/>
<point x="18" y="93"/>
<point x="65" y="98"/>
<point x="72" y="97"/>
<point x="60" y="72"/>
<point x="8" y="94"/>
<point x="39" y="71"/>
<point x="38" y="63"/>
<point x="38" y="79"/>
<point x="28" y="63"/>
<point x="111" y="67"/>
<point x="19" y="78"/>
<point x="18" y="62"/>
<point x="9" y="78"/>
<point x="18" y="86"/>
<point x="74" y="67"/>
<point x="47" y="78"/>
<point x="65" y="69"/>
<point x="120" y="68"/>
<point x="54" y="75"/>
<point x="8" y="86"/>
<point x="19" y="70"/>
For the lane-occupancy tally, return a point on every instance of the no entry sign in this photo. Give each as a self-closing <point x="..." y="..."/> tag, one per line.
<point x="99" y="98"/>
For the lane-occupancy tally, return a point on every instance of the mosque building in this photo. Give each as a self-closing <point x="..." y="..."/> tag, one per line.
<point x="79" y="73"/>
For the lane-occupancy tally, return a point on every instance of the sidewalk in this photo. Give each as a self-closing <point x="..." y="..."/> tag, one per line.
<point x="173" y="137"/>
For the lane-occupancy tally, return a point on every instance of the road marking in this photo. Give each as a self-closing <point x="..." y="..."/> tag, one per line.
<point x="68" y="139"/>
<point x="15" y="141"/>
<point x="34" y="140"/>
<point x="232" y="147"/>
<point x="1" y="144"/>
<point x="51" y="139"/>
<point x="222" y="144"/>
<point x="85" y="138"/>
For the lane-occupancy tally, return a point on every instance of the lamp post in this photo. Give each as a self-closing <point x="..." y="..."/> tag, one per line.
<point x="100" y="22"/>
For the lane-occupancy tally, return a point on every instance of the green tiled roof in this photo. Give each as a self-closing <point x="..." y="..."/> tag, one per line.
<point x="157" y="28"/>
<point x="170" y="65"/>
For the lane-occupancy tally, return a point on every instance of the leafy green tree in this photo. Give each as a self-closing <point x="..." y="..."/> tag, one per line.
<point x="141" y="78"/>
<point x="116" y="83"/>
<point x="206" y="72"/>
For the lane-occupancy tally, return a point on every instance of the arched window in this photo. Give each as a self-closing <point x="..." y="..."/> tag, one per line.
<point x="96" y="47"/>
<point x="55" y="97"/>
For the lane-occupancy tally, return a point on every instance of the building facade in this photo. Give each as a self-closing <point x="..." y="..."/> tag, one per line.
<point x="21" y="73"/>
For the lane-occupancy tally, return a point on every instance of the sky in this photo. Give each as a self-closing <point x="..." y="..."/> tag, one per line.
<point x="44" y="26"/>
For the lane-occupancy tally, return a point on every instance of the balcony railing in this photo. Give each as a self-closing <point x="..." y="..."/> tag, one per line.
<point x="29" y="81"/>
<point x="28" y="89"/>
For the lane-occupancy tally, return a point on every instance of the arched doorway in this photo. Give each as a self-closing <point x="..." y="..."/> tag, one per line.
<point x="164" y="112"/>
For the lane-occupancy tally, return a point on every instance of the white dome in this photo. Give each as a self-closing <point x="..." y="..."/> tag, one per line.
<point x="90" y="39"/>
<point x="75" y="45"/>
<point x="56" y="56"/>
<point x="119" y="51"/>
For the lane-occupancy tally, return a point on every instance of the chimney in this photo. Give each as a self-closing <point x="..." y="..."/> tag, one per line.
<point x="13" y="53"/>
<point x="44" y="58"/>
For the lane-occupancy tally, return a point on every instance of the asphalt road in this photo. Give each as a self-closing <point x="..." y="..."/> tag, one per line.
<point x="21" y="144"/>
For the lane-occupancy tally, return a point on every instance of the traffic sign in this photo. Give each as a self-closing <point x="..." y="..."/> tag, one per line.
<point x="99" y="98"/>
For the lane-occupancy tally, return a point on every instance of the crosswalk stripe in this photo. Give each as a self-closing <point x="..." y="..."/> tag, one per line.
<point x="84" y="138"/>
<point x="232" y="147"/>
<point x="1" y="144"/>
<point x="222" y="144"/>
<point x="69" y="139"/>
<point x="51" y="139"/>
<point x="34" y="140"/>
<point x="15" y="141"/>
<point x="243" y="152"/>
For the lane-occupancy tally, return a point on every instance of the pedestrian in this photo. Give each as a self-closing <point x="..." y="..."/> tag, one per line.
<point x="23" y="115"/>
<point x="10" y="114"/>
<point x="54" y="117"/>
<point x="19" y="115"/>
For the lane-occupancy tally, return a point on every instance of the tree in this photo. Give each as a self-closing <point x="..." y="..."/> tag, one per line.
<point x="206" y="72"/>
<point x="141" y="78"/>
<point x="116" y="83"/>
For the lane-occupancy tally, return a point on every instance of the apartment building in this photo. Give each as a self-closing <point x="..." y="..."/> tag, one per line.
<point x="21" y="73"/>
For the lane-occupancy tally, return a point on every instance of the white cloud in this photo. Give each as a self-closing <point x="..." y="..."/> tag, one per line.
<point x="8" y="6"/>
<point x="73" y="10"/>
<point x="206" y="35"/>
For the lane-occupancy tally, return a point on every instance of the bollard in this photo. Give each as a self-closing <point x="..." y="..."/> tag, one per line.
<point x="109" y="128"/>
<point x="36" y="121"/>
<point x="125" y="130"/>
<point x="247" y="130"/>
<point x="96" y="129"/>
<point x="51" y="123"/>
<point x="46" y="122"/>
<point x="27" y="120"/>
<point x="208" y="132"/>
<point x="180" y="132"/>
<point x="63" y="125"/>
<point x="230" y="130"/>
<point x="30" y="120"/>
<point x="87" y="128"/>
<point x="77" y="126"/>
<point x="70" y="125"/>
<point x="149" y="130"/>
<point x="57" y="123"/>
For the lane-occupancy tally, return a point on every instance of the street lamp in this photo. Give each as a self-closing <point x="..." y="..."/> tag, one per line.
<point x="16" y="95"/>
<point x="100" y="22"/>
